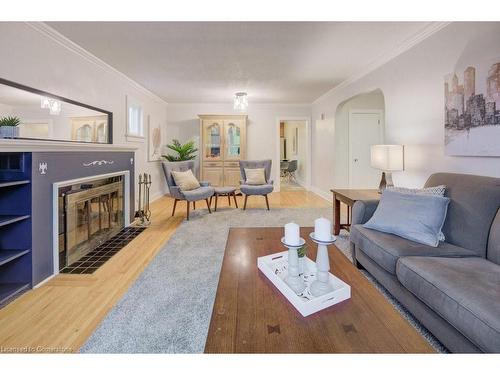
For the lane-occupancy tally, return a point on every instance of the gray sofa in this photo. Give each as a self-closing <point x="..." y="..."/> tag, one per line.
<point x="454" y="289"/>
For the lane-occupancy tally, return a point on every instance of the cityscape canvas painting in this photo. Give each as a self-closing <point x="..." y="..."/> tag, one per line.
<point x="472" y="111"/>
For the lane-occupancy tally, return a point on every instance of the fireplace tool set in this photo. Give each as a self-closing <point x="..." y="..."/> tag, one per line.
<point x="143" y="212"/>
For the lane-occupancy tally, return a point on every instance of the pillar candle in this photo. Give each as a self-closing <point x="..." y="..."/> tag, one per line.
<point x="322" y="229"/>
<point x="292" y="234"/>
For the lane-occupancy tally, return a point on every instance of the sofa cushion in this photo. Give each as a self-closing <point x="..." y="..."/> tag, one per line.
<point x="415" y="217"/>
<point x="431" y="190"/>
<point x="474" y="203"/>
<point x="464" y="291"/>
<point x="385" y="249"/>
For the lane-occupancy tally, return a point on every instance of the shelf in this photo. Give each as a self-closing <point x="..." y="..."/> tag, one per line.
<point x="8" y="255"/>
<point x="9" y="219"/>
<point x="13" y="183"/>
<point x="31" y="145"/>
<point x="8" y="291"/>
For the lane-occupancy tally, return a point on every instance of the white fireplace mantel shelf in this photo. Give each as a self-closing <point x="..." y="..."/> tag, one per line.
<point x="27" y="145"/>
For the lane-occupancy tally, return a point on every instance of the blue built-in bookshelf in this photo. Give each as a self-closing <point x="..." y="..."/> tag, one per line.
<point x="15" y="225"/>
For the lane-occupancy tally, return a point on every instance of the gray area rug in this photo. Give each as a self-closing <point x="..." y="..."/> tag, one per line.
<point x="168" y="308"/>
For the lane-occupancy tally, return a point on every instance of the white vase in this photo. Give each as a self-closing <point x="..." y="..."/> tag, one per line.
<point x="9" y="132"/>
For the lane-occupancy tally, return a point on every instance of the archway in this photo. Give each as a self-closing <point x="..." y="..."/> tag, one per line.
<point x="359" y="123"/>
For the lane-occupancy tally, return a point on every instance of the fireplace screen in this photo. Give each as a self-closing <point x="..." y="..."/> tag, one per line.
<point x="91" y="214"/>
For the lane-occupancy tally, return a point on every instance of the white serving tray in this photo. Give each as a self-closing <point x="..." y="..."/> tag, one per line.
<point x="275" y="266"/>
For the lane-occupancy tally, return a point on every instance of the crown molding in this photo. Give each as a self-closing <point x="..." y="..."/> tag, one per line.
<point x="428" y="30"/>
<point x="71" y="46"/>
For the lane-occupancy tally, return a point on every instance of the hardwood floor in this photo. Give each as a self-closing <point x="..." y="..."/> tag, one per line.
<point x="60" y="315"/>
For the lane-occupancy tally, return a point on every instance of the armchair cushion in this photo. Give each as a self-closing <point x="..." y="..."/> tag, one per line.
<point x="185" y="180"/>
<point x="256" y="189"/>
<point x="203" y="192"/>
<point x="255" y="176"/>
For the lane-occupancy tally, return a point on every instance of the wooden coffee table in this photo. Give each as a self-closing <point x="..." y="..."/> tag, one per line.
<point x="251" y="316"/>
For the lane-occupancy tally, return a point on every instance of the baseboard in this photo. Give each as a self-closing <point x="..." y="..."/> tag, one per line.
<point x="44" y="281"/>
<point x="302" y="183"/>
<point x="156" y="196"/>
<point x="323" y="194"/>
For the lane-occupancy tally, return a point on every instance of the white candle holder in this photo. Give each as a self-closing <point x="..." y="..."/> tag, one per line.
<point x="293" y="280"/>
<point x="322" y="284"/>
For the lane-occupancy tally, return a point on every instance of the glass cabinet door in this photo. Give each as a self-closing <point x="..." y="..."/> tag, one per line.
<point x="233" y="139"/>
<point x="212" y="140"/>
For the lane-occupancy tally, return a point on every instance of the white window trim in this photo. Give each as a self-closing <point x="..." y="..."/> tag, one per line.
<point x="134" y="137"/>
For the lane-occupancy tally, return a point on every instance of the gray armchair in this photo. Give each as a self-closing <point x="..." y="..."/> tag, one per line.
<point x="256" y="189"/>
<point x="203" y="192"/>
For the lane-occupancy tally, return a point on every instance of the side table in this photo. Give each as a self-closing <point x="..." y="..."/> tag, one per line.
<point x="349" y="197"/>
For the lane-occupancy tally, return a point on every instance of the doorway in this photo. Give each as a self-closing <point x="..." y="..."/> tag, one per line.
<point x="294" y="158"/>
<point x="359" y="123"/>
<point x="365" y="130"/>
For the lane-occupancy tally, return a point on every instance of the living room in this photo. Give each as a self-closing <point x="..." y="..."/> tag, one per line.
<point x="241" y="186"/>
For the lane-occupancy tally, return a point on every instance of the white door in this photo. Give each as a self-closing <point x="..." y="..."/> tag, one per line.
<point x="365" y="129"/>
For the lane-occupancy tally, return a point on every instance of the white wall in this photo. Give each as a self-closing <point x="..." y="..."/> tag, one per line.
<point x="413" y="88"/>
<point x="372" y="100"/>
<point x="262" y="128"/>
<point x="38" y="60"/>
<point x="301" y="156"/>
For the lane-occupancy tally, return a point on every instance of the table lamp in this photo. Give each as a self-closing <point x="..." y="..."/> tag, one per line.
<point x="387" y="158"/>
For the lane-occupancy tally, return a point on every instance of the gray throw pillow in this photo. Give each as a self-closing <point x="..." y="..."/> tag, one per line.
<point x="432" y="190"/>
<point x="415" y="217"/>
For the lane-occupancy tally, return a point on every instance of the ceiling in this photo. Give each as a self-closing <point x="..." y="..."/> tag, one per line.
<point x="275" y="62"/>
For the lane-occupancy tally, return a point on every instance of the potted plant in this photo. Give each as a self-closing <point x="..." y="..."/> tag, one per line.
<point x="186" y="151"/>
<point x="9" y="127"/>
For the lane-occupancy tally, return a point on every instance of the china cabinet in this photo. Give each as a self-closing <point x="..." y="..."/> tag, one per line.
<point x="223" y="144"/>
<point x="89" y="129"/>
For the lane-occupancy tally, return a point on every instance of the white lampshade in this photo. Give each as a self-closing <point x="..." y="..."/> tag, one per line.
<point x="387" y="157"/>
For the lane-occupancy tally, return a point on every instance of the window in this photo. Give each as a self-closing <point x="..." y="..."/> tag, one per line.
<point x="135" y="119"/>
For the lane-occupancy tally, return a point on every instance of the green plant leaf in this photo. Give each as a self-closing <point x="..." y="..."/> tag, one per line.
<point x="184" y="152"/>
<point x="302" y="251"/>
<point x="10" y="121"/>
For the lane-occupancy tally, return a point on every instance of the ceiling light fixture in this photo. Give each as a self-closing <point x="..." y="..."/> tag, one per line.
<point x="53" y="105"/>
<point x="44" y="102"/>
<point x="241" y="101"/>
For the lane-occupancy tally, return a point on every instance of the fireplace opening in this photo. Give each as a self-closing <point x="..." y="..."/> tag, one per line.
<point x="90" y="214"/>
